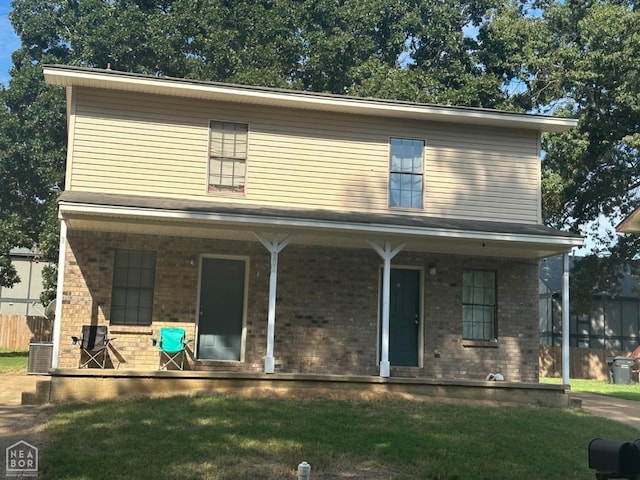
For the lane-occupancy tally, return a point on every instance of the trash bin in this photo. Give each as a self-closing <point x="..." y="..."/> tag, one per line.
<point x="620" y="369"/>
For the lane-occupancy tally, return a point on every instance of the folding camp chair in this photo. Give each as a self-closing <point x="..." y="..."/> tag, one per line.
<point x="172" y="346"/>
<point x="93" y="344"/>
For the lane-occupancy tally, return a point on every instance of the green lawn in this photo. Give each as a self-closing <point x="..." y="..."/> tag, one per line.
<point x="13" y="361"/>
<point x="228" y="438"/>
<point x="627" y="392"/>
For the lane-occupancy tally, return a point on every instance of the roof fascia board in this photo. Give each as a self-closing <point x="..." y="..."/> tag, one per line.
<point x="70" y="208"/>
<point x="67" y="76"/>
<point x="630" y="224"/>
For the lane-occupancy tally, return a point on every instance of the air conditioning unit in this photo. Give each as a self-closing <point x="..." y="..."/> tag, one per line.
<point x="39" y="358"/>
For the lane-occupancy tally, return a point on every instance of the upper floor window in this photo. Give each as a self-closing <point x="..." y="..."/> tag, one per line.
<point x="406" y="173"/>
<point x="227" y="156"/>
<point x="134" y="275"/>
<point x="479" y="305"/>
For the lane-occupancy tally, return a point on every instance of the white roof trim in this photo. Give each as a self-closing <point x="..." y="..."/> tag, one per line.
<point x="113" y="80"/>
<point x="630" y="224"/>
<point x="249" y="222"/>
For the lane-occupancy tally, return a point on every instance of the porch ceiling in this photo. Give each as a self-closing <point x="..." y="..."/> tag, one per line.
<point x="170" y="217"/>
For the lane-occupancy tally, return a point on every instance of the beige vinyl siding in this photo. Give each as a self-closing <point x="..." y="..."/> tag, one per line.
<point x="158" y="146"/>
<point x="484" y="177"/>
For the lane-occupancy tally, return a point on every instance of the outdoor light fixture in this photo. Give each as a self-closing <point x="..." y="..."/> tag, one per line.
<point x="432" y="269"/>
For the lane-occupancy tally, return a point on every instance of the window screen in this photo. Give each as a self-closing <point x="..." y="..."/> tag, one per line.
<point x="406" y="173"/>
<point x="133" y="283"/>
<point x="479" y="305"/>
<point x="227" y="156"/>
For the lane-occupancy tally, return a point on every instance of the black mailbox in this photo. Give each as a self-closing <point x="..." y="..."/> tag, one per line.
<point x="613" y="459"/>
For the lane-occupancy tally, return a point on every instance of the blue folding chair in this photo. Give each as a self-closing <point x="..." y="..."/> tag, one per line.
<point x="172" y="345"/>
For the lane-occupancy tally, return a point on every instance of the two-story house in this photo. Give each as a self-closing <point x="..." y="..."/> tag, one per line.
<point x="298" y="232"/>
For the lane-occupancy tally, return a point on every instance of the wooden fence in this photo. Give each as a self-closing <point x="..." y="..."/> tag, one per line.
<point x="18" y="331"/>
<point x="586" y="363"/>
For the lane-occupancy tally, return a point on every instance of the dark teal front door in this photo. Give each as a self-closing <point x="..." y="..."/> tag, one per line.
<point x="221" y="309"/>
<point x="404" y="317"/>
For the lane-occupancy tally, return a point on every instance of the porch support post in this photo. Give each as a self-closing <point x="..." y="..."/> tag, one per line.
<point x="387" y="253"/>
<point x="275" y="246"/>
<point x="565" y="319"/>
<point x="57" y="319"/>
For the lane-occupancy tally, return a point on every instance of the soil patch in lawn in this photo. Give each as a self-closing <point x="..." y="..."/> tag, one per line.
<point x="20" y="422"/>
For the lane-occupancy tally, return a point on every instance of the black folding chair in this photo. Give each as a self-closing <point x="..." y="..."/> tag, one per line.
<point x="93" y="344"/>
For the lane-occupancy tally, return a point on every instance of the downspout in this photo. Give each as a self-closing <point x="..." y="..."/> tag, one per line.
<point x="565" y="319"/>
<point x="275" y="247"/>
<point x="57" y="319"/>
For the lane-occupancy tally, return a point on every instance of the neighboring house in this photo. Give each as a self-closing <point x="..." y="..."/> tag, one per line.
<point x="300" y="232"/>
<point x="612" y="324"/>
<point x="22" y="315"/>
<point x="24" y="297"/>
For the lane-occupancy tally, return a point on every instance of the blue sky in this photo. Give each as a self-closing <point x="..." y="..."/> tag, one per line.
<point x="8" y="41"/>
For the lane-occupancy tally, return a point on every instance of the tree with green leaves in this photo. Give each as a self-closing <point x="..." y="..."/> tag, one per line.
<point x="408" y="49"/>
<point x="579" y="59"/>
<point x="567" y="57"/>
<point x="32" y="152"/>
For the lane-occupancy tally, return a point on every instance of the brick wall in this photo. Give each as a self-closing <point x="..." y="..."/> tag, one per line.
<point x="515" y="354"/>
<point x="327" y="318"/>
<point x="87" y="294"/>
<point x="327" y="308"/>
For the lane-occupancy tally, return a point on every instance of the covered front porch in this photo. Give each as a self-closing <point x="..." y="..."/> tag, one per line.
<point x="316" y="288"/>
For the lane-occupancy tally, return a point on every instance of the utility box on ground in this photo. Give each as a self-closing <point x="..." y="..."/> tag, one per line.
<point x="39" y="358"/>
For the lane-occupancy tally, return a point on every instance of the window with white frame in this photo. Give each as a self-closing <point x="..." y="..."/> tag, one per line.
<point x="227" y="156"/>
<point x="479" y="305"/>
<point x="134" y="273"/>
<point x="406" y="172"/>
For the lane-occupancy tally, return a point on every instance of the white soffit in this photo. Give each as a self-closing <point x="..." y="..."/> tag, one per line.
<point x="114" y="80"/>
<point x="630" y="224"/>
<point x="323" y="232"/>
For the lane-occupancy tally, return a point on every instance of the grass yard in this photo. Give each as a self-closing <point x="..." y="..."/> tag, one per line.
<point x="601" y="387"/>
<point x="228" y="438"/>
<point x="13" y="361"/>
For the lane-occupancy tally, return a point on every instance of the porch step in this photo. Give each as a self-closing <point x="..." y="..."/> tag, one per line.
<point x="575" y="402"/>
<point x="40" y="396"/>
